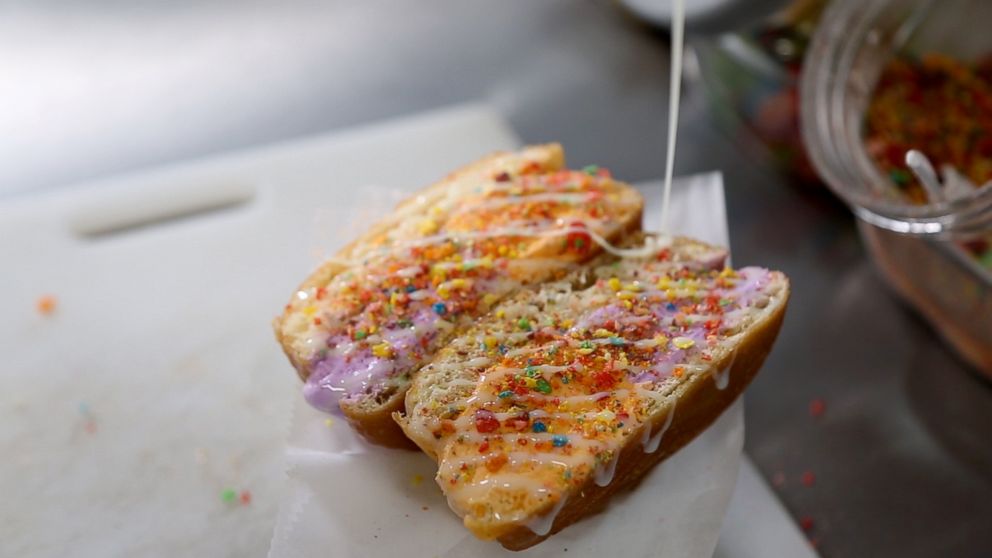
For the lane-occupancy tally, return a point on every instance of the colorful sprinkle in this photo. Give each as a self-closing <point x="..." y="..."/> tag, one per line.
<point x="382" y="350"/>
<point x="539" y="427"/>
<point x="228" y="495"/>
<point x="543" y="386"/>
<point x="505" y="393"/>
<point x="683" y="342"/>
<point x="46" y="305"/>
<point x="360" y="334"/>
<point x="524" y="324"/>
<point x="245" y="497"/>
<point x="440" y="309"/>
<point x="559" y="441"/>
<point x="808" y="478"/>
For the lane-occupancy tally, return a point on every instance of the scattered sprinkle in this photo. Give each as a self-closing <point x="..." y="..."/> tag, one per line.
<point x="360" y="334"/>
<point x="539" y="427"/>
<point x="329" y="422"/>
<point x="228" y="495"/>
<point x="816" y="408"/>
<point x="524" y="324"/>
<point x="559" y="441"/>
<point x="506" y="393"/>
<point x="440" y="308"/>
<point x="808" y="478"/>
<point x="591" y="170"/>
<point x="806" y="522"/>
<point x="543" y="386"/>
<point x="382" y="350"/>
<point x="245" y="497"/>
<point x="417" y="480"/>
<point x="46" y="305"/>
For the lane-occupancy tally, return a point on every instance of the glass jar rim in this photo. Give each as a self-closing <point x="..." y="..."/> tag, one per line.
<point x="846" y="27"/>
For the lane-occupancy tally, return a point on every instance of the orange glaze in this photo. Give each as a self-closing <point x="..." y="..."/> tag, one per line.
<point x="553" y="411"/>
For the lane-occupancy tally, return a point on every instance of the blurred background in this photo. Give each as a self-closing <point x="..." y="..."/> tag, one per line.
<point x="872" y="417"/>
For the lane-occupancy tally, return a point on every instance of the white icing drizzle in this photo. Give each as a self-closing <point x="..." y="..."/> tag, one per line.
<point x="541" y="526"/>
<point x="722" y="377"/>
<point x="650" y="443"/>
<point x="605" y="471"/>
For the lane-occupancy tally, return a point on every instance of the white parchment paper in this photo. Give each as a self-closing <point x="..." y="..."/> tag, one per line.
<point x="344" y="497"/>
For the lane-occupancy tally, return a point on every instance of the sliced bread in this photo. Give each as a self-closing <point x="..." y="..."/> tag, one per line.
<point x="361" y="326"/>
<point x="572" y="390"/>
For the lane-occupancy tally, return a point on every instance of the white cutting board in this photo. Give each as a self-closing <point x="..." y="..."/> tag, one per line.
<point x="156" y="384"/>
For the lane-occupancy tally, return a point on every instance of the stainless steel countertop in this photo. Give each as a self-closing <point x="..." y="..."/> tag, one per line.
<point x="901" y="456"/>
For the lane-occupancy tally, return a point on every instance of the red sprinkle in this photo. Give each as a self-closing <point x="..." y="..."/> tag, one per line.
<point x="806" y="522"/>
<point x="808" y="478"/>
<point x="484" y="447"/>
<point x="816" y="408"/>
<point x="245" y="497"/>
<point x="486" y="421"/>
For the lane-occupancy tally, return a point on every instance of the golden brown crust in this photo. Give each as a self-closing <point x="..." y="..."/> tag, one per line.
<point x="700" y="402"/>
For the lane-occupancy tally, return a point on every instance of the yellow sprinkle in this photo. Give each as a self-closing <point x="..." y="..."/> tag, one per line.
<point x="393" y="298"/>
<point x="635" y="286"/>
<point x="727" y="272"/>
<point x="489" y="299"/>
<point x="502" y="250"/>
<point x="661" y="340"/>
<point x="530" y="382"/>
<point x="614" y="283"/>
<point x="683" y="342"/>
<point x="417" y="479"/>
<point x="329" y="422"/>
<point x="428" y="226"/>
<point x="628" y="304"/>
<point x="382" y="350"/>
<point x="664" y="283"/>
<point x="586" y="351"/>
<point x="443" y="292"/>
<point x="567" y="323"/>
<point x="486" y="262"/>
<point x="491" y="342"/>
<point x="373" y="328"/>
<point x="606" y="415"/>
<point x="310" y="310"/>
<point x="602" y="333"/>
<point x="625" y="295"/>
<point x="500" y="313"/>
<point x="459" y="284"/>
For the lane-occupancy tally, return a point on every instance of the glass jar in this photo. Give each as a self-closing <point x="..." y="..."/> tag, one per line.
<point x="915" y="246"/>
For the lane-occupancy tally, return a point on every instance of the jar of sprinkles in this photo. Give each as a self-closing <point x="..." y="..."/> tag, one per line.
<point x="896" y="113"/>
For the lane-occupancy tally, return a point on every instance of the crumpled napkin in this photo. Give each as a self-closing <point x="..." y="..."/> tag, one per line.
<point x="344" y="497"/>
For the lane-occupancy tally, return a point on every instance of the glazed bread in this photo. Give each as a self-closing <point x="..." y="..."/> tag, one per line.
<point x="361" y="326"/>
<point x="572" y="390"/>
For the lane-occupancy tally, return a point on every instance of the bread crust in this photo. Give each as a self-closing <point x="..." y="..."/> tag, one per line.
<point x="700" y="403"/>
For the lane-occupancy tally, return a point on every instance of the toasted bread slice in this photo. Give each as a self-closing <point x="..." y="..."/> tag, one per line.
<point x="618" y="366"/>
<point x="364" y="323"/>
